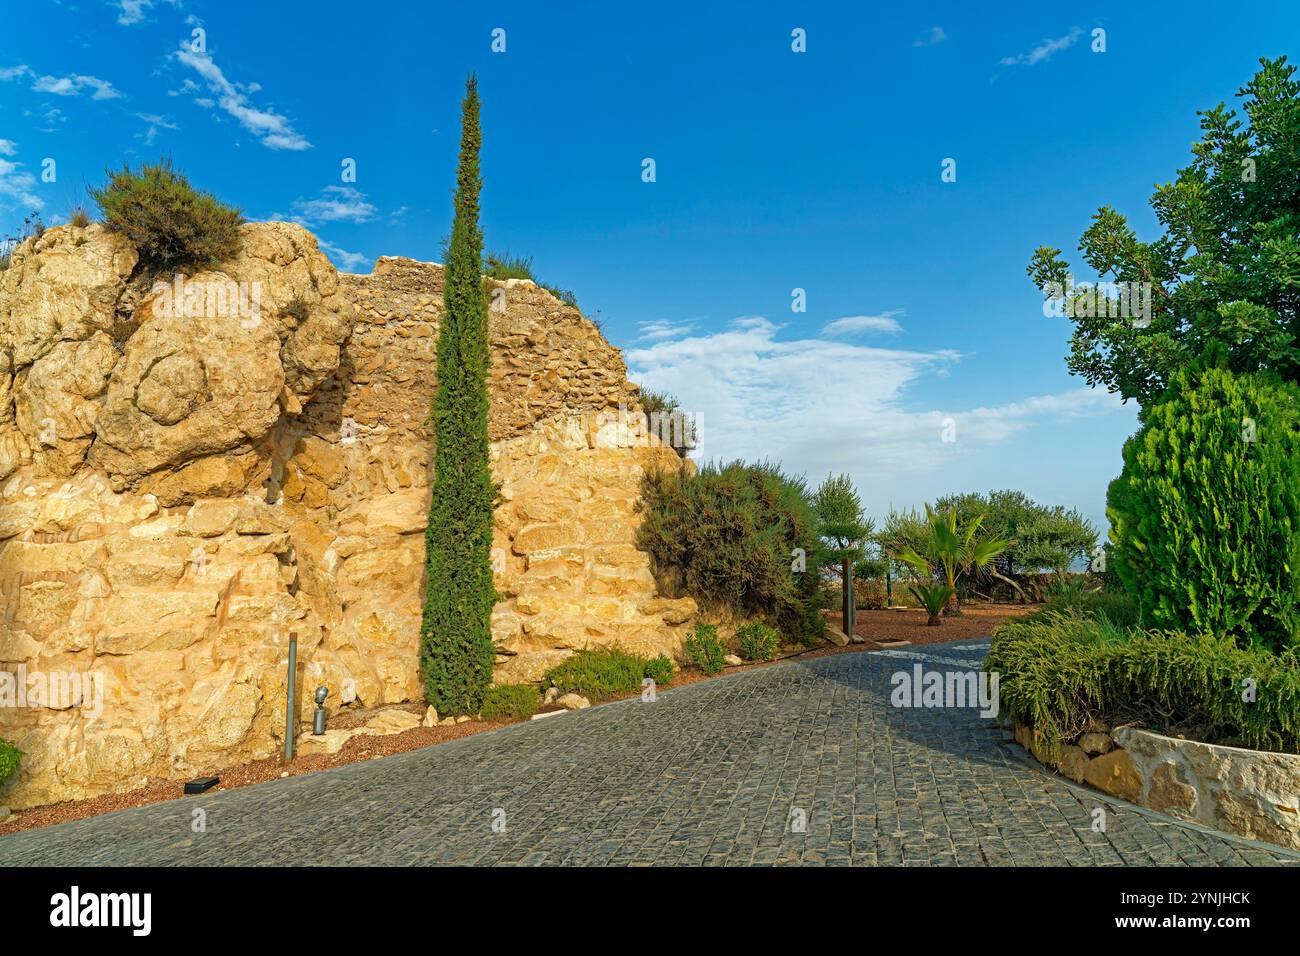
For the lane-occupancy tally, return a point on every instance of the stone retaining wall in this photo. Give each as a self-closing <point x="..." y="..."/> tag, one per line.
<point x="1250" y="793"/>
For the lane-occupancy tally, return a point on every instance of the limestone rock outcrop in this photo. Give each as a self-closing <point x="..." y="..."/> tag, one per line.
<point x="187" y="479"/>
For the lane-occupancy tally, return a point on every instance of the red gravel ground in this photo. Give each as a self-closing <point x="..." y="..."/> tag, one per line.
<point x="908" y="624"/>
<point x="155" y="791"/>
<point x="895" y="624"/>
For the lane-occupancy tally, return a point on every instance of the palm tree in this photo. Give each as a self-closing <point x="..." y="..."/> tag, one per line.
<point x="934" y="598"/>
<point x="950" y="553"/>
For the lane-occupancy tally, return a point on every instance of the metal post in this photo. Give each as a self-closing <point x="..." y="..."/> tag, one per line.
<point x="853" y="605"/>
<point x="889" y="587"/>
<point x="289" y="716"/>
<point x="318" y="718"/>
<point x="846" y="600"/>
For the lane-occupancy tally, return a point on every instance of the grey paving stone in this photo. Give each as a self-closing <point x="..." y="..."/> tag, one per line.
<point x="711" y="774"/>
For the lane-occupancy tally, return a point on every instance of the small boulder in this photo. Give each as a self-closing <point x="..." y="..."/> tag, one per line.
<point x="1096" y="743"/>
<point x="1115" y="774"/>
<point x="390" y="722"/>
<point x="573" y="702"/>
<point x="731" y="660"/>
<point x="430" y="717"/>
<point x="330" y="742"/>
<point x="835" y="636"/>
<point x="1073" y="763"/>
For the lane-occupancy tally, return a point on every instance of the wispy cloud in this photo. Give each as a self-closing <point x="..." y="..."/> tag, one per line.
<point x="335" y="204"/>
<point x="824" y="406"/>
<point x="273" y="129"/>
<point x="933" y="38"/>
<point x="17" y="187"/>
<point x="154" y="123"/>
<point x="131" y="12"/>
<point x="1045" y="50"/>
<point x="153" y="119"/>
<point x="660" y="329"/>
<point x="73" y="84"/>
<point x="342" y="259"/>
<point x="852" y="324"/>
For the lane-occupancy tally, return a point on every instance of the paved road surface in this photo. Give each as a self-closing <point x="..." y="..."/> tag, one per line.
<point x="718" y="772"/>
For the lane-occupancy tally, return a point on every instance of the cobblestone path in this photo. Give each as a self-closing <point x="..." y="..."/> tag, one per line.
<point x="800" y="763"/>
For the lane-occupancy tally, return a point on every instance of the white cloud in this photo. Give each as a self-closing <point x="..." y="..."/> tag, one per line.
<point x="335" y="204"/>
<point x="342" y="259"/>
<point x="73" y="84"/>
<point x="850" y="324"/>
<point x="17" y="188"/>
<point x="155" y="122"/>
<point x="933" y="38"/>
<point x="131" y="12"/>
<point x="274" y="130"/>
<point x="154" y="119"/>
<point x="1045" y="50"/>
<point x="820" y="406"/>
<point x="8" y="147"/>
<point x="661" y="329"/>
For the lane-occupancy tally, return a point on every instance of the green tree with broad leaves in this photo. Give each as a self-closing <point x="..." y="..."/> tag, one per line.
<point x="1226" y="270"/>
<point x="1039" y="537"/>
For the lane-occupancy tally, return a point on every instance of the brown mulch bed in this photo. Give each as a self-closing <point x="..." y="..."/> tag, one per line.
<point x="906" y="624"/>
<point x="260" y="771"/>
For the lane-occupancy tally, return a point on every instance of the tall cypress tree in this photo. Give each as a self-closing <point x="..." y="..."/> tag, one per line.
<point x="456" y="636"/>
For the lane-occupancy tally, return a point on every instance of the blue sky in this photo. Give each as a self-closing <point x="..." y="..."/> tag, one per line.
<point x="775" y="170"/>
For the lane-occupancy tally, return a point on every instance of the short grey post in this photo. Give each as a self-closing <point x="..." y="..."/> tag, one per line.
<point x="289" y="708"/>
<point x="318" y="718"/>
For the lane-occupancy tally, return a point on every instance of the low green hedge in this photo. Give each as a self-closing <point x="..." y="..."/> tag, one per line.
<point x="757" y="641"/>
<point x="518" y="701"/>
<point x="705" y="650"/>
<point x="607" y="672"/>
<point x="660" y="670"/>
<point x="9" y="759"/>
<point x="1062" y="669"/>
<point x="1115" y="606"/>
